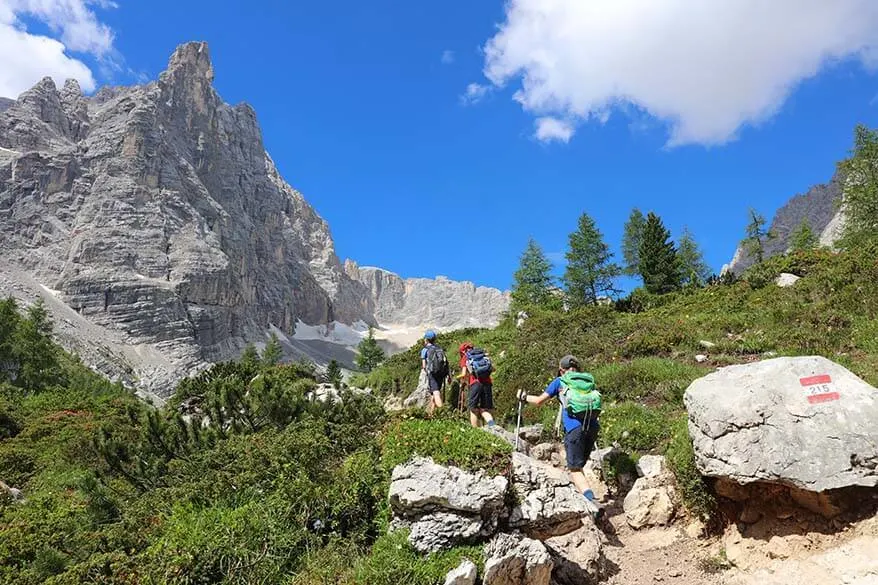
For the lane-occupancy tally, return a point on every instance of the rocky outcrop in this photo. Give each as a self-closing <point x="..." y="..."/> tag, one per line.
<point x="516" y="560"/>
<point x="805" y="422"/>
<point x="577" y="556"/>
<point x="547" y="502"/>
<point x="154" y="213"/>
<point x="444" y="506"/>
<point x="818" y="205"/>
<point x="440" y="303"/>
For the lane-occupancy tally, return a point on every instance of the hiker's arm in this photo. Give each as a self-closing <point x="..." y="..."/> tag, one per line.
<point x="462" y="373"/>
<point x="535" y="400"/>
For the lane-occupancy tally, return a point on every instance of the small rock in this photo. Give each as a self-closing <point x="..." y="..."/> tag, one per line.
<point x="516" y="560"/>
<point x="786" y="279"/>
<point x="779" y="548"/>
<point x="652" y="466"/>
<point x="543" y="451"/>
<point x="695" y="529"/>
<point x="700" y="358"/>
<point x="706" y="344"/>
<point x="651" y="502"/>
<point x="464" y="574"/>
<point x="14" y="493"/>
<point x="531" y="433"/>
<point x="675" y="573"/>
<point x="578" y="556"/>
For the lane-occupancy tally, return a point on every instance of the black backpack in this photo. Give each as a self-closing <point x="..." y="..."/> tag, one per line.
<point x="437" y="362"/>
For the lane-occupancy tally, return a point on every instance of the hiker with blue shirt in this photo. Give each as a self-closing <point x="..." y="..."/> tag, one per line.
<point x="434" y="364"/>
<point x="580" y="411"/>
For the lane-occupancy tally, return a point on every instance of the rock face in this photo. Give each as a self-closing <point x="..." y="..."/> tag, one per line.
<point x="465" y="574"/>
<point x="515" y="560"/>
<point x="154" y="214"/>
<point x="817" y="205"/>
<point x="806" y="422"/>
<point x="441" y="303"/>
<point x="444" y="506"/>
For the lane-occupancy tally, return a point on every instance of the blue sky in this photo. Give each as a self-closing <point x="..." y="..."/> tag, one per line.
<point x="364" y="108"/>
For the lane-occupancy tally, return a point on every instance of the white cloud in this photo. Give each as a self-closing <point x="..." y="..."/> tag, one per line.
<point x="447" y="57"/>
<point x="28" y="57"/>
<point x="549" y="129"/>
<point x="474" y="93"/>
<point x="703" y="67"/>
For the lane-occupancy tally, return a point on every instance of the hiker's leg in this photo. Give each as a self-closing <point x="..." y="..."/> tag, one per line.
<point x="578" y="479"/>
<point x="487" y="402"/>
<point x="575" y="446"/>
<point x="474" y="402"/>
<point x="437" y="398"/>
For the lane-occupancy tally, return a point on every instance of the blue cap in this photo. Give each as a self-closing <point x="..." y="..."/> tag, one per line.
<point x="430" y="334"/>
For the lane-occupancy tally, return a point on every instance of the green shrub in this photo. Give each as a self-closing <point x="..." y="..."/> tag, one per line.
<point x="658" y="380"/>
<point x="448" y="442"/>
<point x="634" y="426"/>
<point x="696" y="495"/>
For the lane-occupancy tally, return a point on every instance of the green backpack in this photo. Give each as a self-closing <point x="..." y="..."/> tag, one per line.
<point x="582" y="398"/>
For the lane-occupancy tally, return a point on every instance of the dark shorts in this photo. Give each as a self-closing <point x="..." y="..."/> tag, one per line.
<point x="434" y="384"/>
<point x="579" y="444"/>
<point x="481" y="396"/>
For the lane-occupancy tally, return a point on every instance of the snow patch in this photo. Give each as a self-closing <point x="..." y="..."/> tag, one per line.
<point x="335" y="332"/>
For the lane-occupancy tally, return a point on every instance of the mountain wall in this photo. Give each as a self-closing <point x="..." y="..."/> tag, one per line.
<point x="819" y="205"/>
<point x="154" y="214"/>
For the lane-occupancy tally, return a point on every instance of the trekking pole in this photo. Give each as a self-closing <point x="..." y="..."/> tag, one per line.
<point x="518" y="424"/>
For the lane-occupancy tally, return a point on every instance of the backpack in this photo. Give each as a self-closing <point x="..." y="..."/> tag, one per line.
<point x="437" y="363"/>
<point x="478" y="363"/>
<point x="582" y="397"/>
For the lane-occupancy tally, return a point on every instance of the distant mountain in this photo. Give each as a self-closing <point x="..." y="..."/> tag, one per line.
<point x="819" y="205"/>
<point x="158" y="228"/>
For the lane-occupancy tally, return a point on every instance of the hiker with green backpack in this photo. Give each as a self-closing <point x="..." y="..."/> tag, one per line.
<point x="580" y="410"/>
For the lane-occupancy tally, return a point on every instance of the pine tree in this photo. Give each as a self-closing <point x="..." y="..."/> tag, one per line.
<point x="754" y="243"/>
<point x="333" y="374"/>
<point x="250" y="357"/>
<point x="693" y="268"/>
<point x="369" y="353"/>
<point x="533" y="280"/>
<point x="803" y="238"/>
<point x="860" y="196"/>
<point x="589" y="274"/>
<point x="37" y="353"/>
<point x="659" y="265"/>
<point x="631" y="239"/>
<point x="272" y="353"/>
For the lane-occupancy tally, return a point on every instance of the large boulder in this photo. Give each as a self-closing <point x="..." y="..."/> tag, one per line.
<point x="548" y="504"/>
<point x="578" y="556"/>
<point x="516" y="560"/>
<point x="652" y="500"/>
<point x="801" y="421"/>
<point x="444" y="506"/>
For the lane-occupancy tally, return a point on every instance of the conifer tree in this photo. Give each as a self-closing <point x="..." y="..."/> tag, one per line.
<point x="37" y="353"/>
<point x="333" y="374"/>
<point x="369" y="353"/>
<point x="250" y="357"/>
<point x="693" y="268"/>
<point x="9" y="323"/>
<point x="803" y="237"/>
<point x="754" y="242"/>
<point x="590" y="273"/>
<point x="631" y="239"/>
<point x="659" y="265"/>
<point x="533" y="280"/>
<point x="272" y="353"/>
<point x="860" y="196"/>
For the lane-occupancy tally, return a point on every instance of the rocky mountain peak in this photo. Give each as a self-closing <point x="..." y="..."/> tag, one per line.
<point x="153" y="218"/>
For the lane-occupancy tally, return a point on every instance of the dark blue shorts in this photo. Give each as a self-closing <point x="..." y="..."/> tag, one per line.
<point x="434" y="384"/>
<point x="579" y="443"/>
<point x="481" y="396"/>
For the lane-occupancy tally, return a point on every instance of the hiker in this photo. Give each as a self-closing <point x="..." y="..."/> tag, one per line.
<point x="476" y="368"/>
<point x="434" y="363"/>
<point x="580" y="410"/>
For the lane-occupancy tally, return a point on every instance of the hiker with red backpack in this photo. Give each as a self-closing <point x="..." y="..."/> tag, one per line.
<point x="476" y="368"/>
<point x="434" y="363"/>
<point x="580" y="411"/>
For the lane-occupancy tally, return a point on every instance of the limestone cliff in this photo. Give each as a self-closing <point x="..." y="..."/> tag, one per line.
<point x="154" y="213"/>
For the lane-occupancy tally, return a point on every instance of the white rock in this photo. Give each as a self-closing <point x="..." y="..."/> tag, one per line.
<point x="465" y="574"/>
<point x="700" y="358"/>
<point x="651" y="502"/>
<point x="800" y="421"/>
<point x="786" y="279"/>
<point x="652" y="466"/>
<point x="578" y="556"/>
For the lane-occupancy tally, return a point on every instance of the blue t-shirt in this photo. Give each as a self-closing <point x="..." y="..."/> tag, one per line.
<point x="554" y="390"/>
<point x="424" y="353"/>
